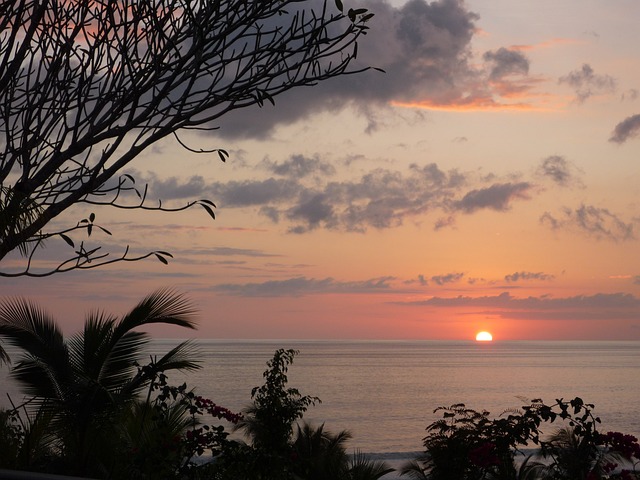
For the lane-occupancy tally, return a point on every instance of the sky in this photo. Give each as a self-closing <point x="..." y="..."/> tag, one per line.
<point x="487" y="181"/>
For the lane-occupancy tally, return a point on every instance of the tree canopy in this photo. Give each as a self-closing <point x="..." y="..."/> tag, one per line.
<point x="86" y="87"/>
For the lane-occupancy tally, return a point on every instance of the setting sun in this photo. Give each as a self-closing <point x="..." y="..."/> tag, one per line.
<point x="484" y="337"/>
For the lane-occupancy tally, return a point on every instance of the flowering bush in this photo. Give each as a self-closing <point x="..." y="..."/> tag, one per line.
<point x="468" y="445"/>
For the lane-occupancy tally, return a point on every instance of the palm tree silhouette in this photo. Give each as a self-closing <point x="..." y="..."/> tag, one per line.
<point x="81" y="387"/>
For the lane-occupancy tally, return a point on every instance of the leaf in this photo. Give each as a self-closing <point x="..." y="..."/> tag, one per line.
<point x="209" y="210"/>
<point x="165" y="254"/>
<point x="270" y="98"/>
<point x="339" y="5"/>
<point x="89" y="229"/>
<point x="162" y="259"/>
<point x="92" y="217"/>
<point x="221" y="154"/>
<point x="104" y="230"/>
<point x="67" y="239"/>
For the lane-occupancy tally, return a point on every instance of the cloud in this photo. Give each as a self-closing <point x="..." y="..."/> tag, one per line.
<point x="626" y="129"/>
<point x="448" y="278"/>
<point x="504" y="62"/>
<point x="425" y="50"/>
<point x="597" y="222"/>
<point x="301" y="286"/>
<point x="230" y="252"/>
<point x="562" y="172"/>
<point x="517" y="276"/>
<point x="299" y="166"/>
<point x="601" y="306"/>
<point x="630" y="95"/>
<point x="379" y="199"/>
<point x="586" y="83"/>
<point x="496" y="197"/>
<point x="312" y="211"/>
<point x="444" y="222"/>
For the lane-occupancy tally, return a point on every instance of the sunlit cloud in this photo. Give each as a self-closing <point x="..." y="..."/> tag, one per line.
<point x="554" y="42"/>
<point x="471" y="104"/>
<point x="601" y="306"/>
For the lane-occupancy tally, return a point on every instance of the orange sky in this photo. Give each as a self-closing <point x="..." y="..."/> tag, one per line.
<point x="487" y="181"/>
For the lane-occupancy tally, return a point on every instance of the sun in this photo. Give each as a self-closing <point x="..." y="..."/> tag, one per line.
<point x="484" y="337"/>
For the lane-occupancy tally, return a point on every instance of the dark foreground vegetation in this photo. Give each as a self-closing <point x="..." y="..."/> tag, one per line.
<point x="93" y="410"/>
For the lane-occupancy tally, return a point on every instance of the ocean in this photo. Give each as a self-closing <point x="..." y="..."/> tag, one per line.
<point x="385" y="392"/>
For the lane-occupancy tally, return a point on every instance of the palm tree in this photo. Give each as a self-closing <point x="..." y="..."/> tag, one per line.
<point x="322" y="455"/>
<point x="362" y="467"/>
<point x="85" y="385"/>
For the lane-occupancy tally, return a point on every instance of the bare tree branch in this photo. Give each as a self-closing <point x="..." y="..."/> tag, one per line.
<point x="86" y="86"/>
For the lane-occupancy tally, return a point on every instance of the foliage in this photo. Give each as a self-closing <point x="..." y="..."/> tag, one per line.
<point x="166" y="433"/>
<point x="468" y="445"/>
<point x="270" y="419"/>
<point x="81" y="389"/>
<point x="86" y="87"/>
<point x="279" y="448"/>
<point x="11" y="438"/>
<point x="161" y="432"/>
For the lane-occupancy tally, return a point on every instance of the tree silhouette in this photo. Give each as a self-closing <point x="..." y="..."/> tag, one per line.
<point x="87" y="86"/>
<point x="80" y="387"/>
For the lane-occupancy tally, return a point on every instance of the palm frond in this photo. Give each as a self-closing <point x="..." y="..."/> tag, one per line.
<point x="180" y="357"/>
<point x="44" y="366"/>
<point x="362" y="467"/>
<point x="163" y="306"/>
<point x="413" y="470"/>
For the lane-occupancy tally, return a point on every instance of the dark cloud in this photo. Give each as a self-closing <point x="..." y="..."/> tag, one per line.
<point x="300" y="286"/>
<point x="504" y="62"/>
<point x="448" y="278"/>
<point x="600" y="306"/>
<point x="299" y="166"/>
<point x="587" y="83"/>
<point x="172" y="188"/>
<point x="312" y="212"/>
<point x="518" y="276"/>
<point x="496" y="197"/>
<point x="559" y="170"/>
<point x="380" y="198"/>
<point x="424" y="48"/>
<point x="595" y="221"/>
<point x="626" y="129"/>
